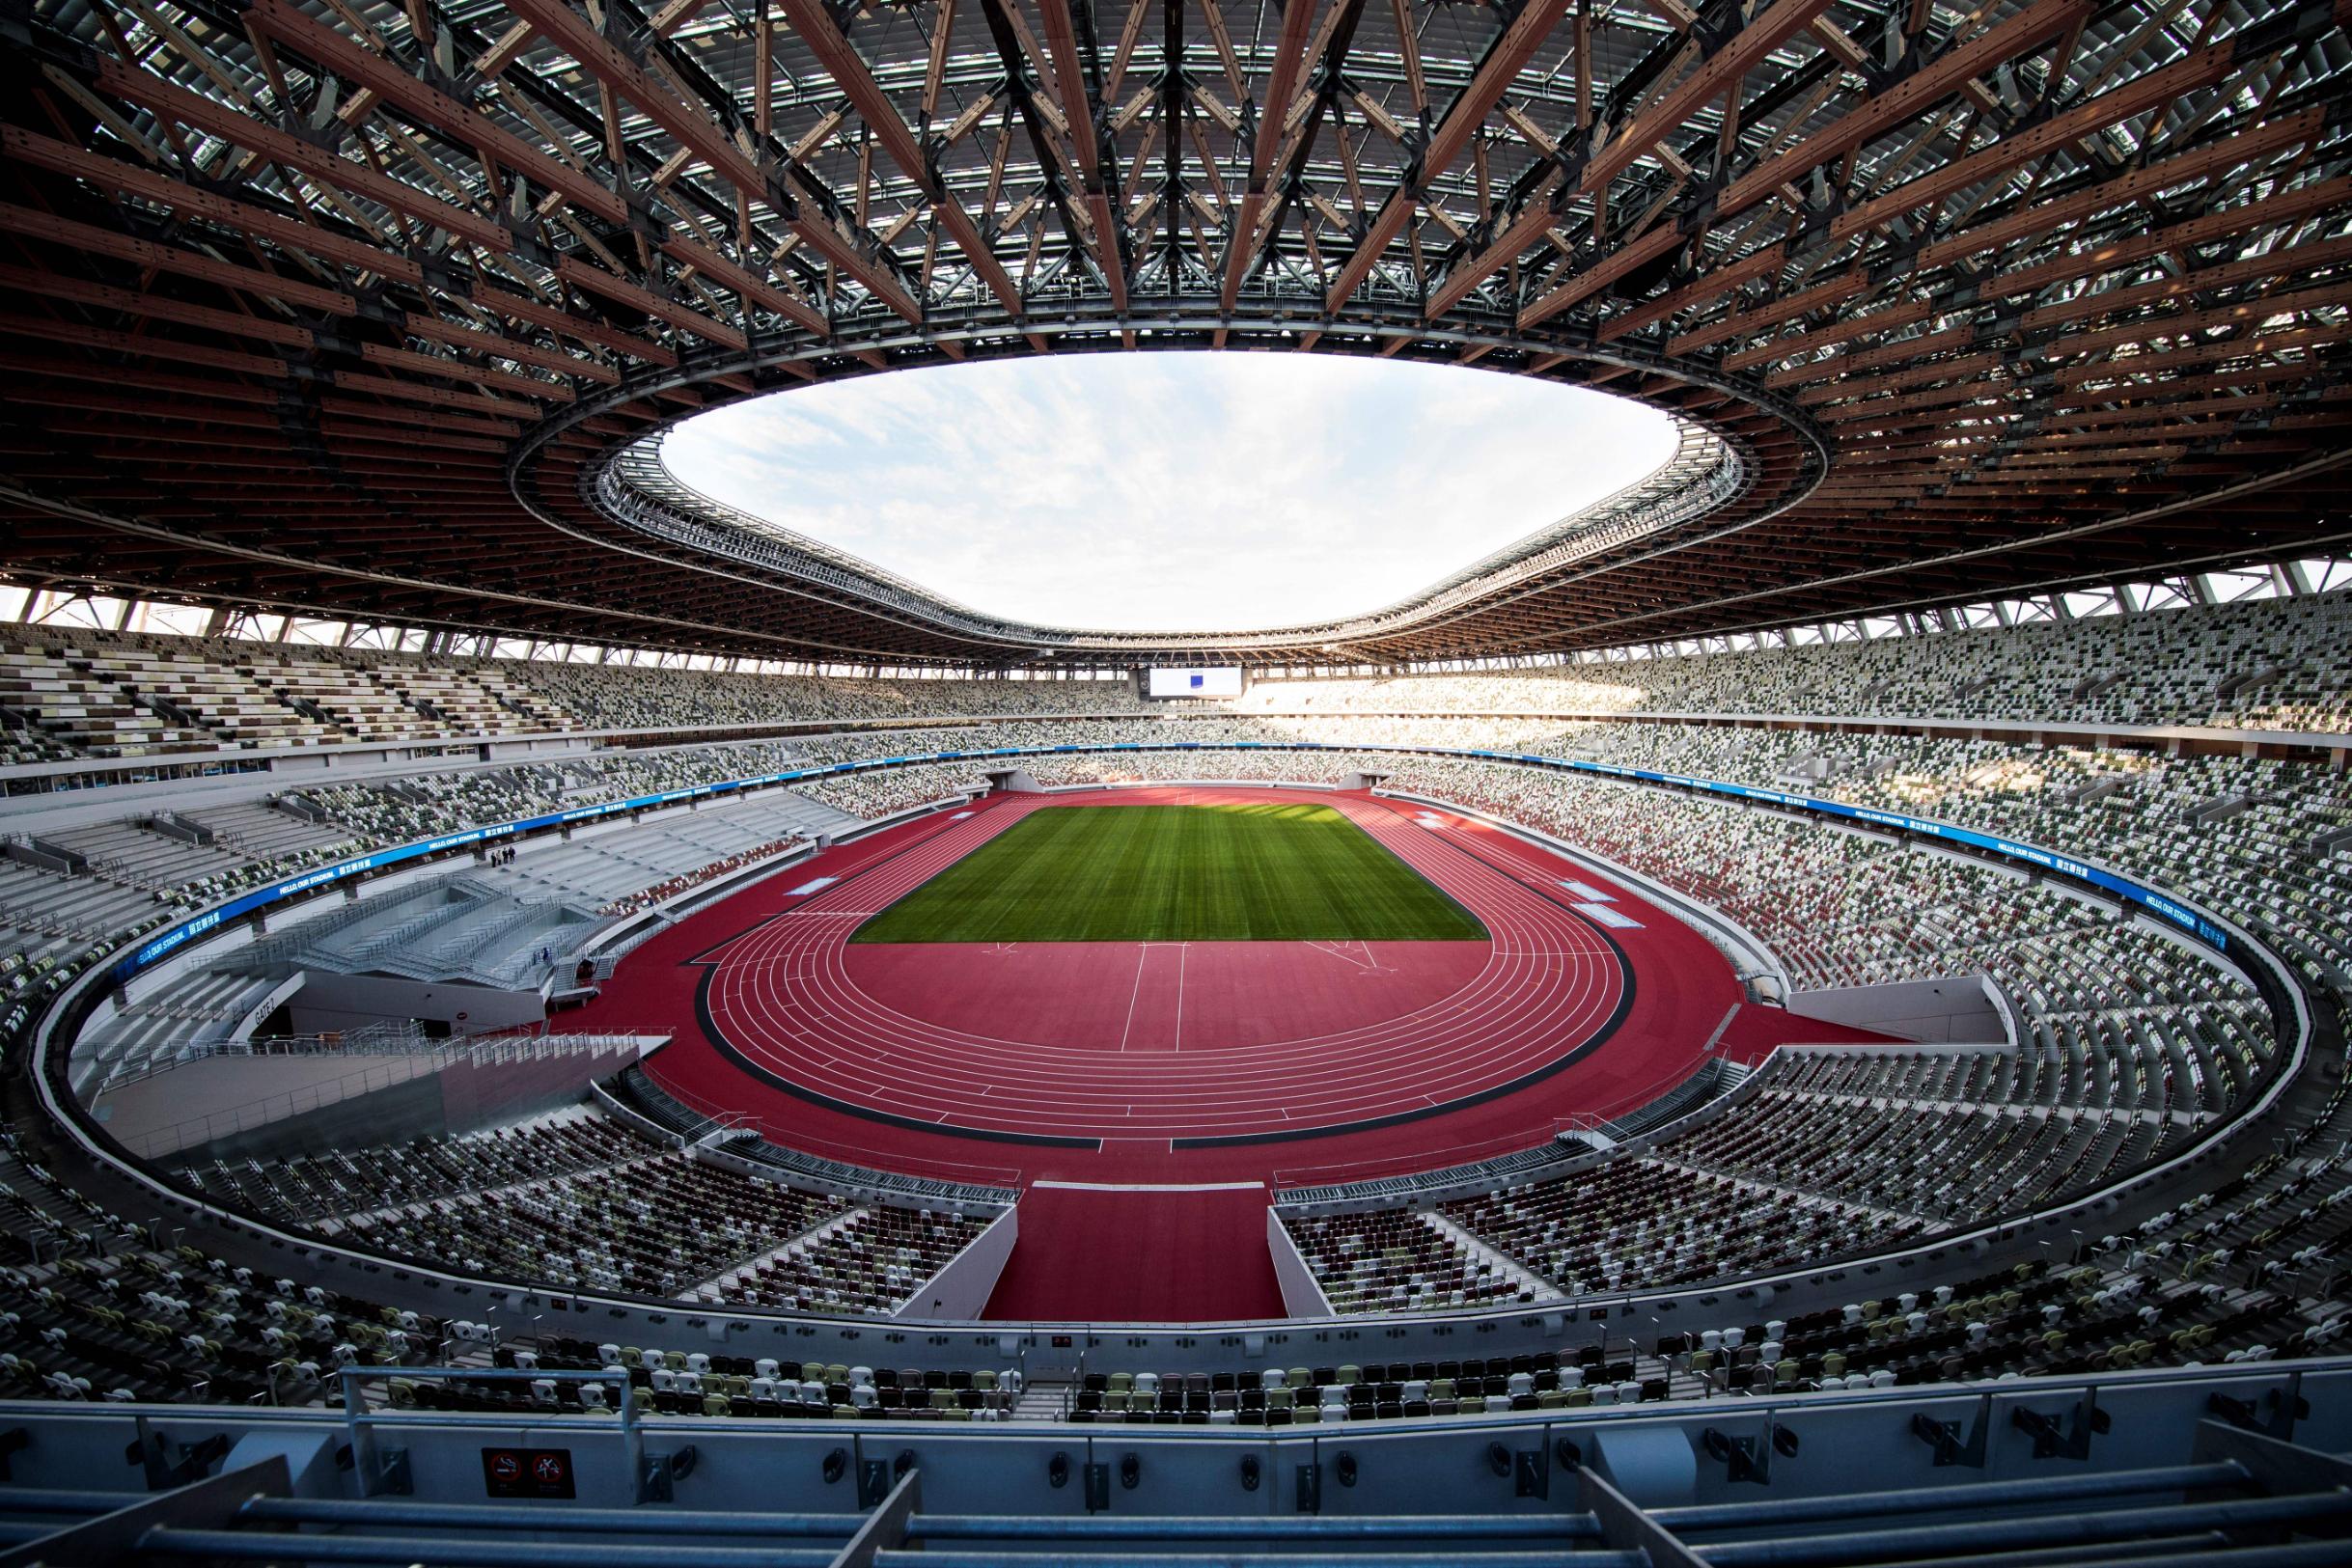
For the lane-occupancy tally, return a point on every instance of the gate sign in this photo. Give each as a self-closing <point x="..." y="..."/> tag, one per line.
<point x="527" y="1473"/>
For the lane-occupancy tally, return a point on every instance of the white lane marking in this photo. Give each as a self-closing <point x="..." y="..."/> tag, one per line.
<point x="1142" y="951"/>
<point x="1181" y="953"/>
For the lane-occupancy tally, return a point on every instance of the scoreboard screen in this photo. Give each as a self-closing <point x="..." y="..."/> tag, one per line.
<point x="1215" y="680"/>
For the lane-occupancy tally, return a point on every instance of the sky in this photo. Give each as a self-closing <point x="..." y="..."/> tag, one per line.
<point x="1170" y="491"/>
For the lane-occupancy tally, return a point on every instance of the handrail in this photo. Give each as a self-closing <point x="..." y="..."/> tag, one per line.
<point x="886" y="1161"/>
<point x="359" y="1422"/>
<point x="1421" y="1161"/>
<point x="161" y="1141"/>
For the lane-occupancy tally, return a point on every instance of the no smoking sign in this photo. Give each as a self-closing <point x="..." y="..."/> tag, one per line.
<point x="527" y="1473"/>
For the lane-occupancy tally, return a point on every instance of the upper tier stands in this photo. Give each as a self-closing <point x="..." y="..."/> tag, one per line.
<point x="2272" y="664"/>
<point x="70" y="693"/>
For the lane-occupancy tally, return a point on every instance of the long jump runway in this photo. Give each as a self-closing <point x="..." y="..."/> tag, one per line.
<point x="1081" y="1042"/>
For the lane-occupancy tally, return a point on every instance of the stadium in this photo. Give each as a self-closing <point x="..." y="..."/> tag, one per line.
<point x="1022" y="783"/>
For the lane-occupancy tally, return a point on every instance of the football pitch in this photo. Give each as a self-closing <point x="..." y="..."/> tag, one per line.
<point x="1255" y="872"/>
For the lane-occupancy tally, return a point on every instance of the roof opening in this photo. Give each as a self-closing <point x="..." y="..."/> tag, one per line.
<point x="1171" y="491"/>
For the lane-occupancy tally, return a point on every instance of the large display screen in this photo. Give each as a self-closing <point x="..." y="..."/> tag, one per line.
<point x="1215" y="680"/>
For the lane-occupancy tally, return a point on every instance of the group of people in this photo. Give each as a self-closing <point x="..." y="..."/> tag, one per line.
<point x="662" y="892"/>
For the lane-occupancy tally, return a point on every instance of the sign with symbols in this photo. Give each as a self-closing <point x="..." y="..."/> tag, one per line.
<point x="527" y="1473"/>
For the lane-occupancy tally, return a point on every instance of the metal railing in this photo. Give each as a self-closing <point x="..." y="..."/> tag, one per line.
<point x="404" y="1066"/>
<point x="360" y="1422"/>
<point x="954" y="1179"/>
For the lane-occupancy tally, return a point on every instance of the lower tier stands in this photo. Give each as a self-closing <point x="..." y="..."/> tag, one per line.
<point x="2248" y="1270"/>
<point x="577" y="1200"/>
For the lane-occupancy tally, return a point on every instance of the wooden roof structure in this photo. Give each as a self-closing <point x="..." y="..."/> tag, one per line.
<point x="376" y="309"/>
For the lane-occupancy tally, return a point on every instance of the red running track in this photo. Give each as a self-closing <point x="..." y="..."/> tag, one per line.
<point x="1253" y="1062"/>
<point x="1086" y="1040"/>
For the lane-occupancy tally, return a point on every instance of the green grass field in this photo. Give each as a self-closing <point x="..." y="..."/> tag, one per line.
<point x="1177" y="873"/>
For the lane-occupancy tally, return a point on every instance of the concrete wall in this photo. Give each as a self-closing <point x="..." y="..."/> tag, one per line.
<point x="1301" y="1296"/>
<point x="345" y="1002"/>
<point x="236" y="1106"/>
<point x="172" y="1107"/>
<point x="960" y="1291"/>
<point x="474" y="1095"/>
<point x="1956" y="1008"/>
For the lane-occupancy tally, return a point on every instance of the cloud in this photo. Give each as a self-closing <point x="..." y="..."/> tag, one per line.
<point x="1171" y="491"/>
